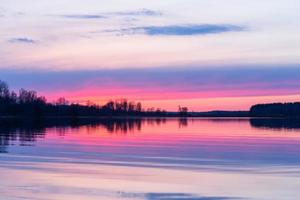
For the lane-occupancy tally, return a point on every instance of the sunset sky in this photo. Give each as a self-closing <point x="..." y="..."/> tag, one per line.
<point x="204" y="54"/>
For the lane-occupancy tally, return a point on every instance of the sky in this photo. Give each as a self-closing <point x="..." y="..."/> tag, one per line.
<point x="204" y="54"/>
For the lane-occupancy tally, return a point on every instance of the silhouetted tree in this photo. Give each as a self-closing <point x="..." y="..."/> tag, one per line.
<point x="183" y="111"/>
<point x="139" y="107"/>
<point x="62" y="101"/>
<point x="4" y="91"/>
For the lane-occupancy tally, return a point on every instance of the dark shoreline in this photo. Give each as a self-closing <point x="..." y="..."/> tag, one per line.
<point x="209" y="114"/>
<point x="144" y="117"/>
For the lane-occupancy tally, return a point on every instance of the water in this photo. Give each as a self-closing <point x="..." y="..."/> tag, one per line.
<point x="150" y="159"/>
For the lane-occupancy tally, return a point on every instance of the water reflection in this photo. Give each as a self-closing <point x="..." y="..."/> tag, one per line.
<point x="149" y="159"/>
<point x="183" y="122"/>
<point x="157" y="142"/>
<point x="25" y="132"/>
<point x="276" y="123"/>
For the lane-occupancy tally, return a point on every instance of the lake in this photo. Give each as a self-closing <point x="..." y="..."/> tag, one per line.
<point x="150" y="159"/>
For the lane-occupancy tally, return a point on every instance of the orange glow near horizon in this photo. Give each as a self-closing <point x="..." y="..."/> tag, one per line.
<point x="171" y="102"/>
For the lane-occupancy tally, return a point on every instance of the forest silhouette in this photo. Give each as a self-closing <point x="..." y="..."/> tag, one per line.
<point x="27" y="103"/>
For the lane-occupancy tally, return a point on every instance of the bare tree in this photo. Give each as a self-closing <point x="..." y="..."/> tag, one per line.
<point x="62" y="101"/>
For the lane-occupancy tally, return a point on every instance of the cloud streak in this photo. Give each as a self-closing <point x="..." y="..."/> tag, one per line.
<point x="183" y="30"/>
<point x="141" y="12"/>
<point x="177" y="196"/>
<point x="83" y="16"/>
<point x="23" y="40"/>
<point x="3" y="12"/>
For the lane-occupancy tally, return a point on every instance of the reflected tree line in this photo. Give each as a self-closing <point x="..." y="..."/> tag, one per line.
<point x="276" y="123"/>
<point x="25" y="132"/>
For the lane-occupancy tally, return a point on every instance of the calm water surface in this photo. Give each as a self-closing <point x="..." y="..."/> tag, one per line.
<point x="151" y="159"/>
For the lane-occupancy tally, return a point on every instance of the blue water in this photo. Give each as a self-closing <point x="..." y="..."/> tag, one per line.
<point x="152" y="159"/>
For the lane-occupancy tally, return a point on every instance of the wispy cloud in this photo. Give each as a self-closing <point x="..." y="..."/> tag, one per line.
<point x="2" y="12"/>
<point x="83" y="16"/>
<point x="183" y="30"/>
<point x="141" y="12"/>
<point x="176" y="196"/>
<point x="22" y="40"/>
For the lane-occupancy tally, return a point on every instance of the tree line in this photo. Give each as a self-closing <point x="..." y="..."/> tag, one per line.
<point x="276" y="110"/>
<point x="28" y="103"/>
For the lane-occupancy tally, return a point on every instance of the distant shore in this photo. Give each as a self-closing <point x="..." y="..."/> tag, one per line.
<point x="27" y="104"/>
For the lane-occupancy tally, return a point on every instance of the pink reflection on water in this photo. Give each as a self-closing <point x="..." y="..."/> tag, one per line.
<point x="154" y="160"/>
<point x="198" y="139"/>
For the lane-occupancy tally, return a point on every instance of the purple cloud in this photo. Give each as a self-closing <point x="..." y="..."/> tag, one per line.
<point x="23" y="40"/>
<point x="182" y="30"/>
<point x="84" y="16"/>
